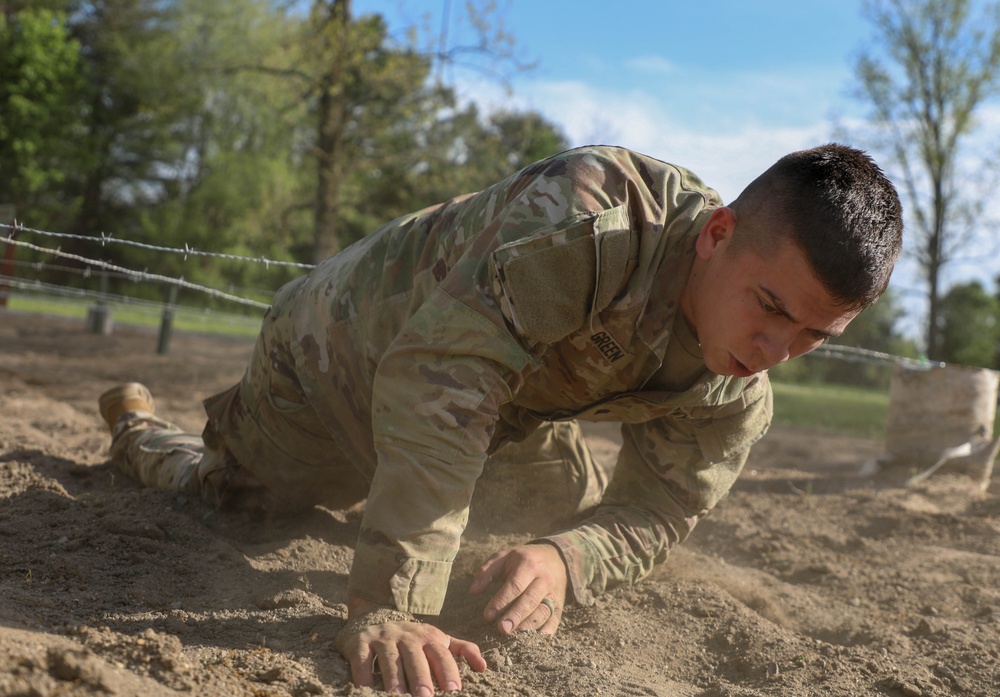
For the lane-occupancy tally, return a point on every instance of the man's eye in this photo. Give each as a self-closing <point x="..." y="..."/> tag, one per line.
<point x="767" y="307"/>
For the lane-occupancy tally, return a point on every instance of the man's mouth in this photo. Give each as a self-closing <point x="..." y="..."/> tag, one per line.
<point x="739" y="369"/>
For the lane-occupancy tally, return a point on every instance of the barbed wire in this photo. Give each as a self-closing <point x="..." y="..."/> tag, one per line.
<point x="87" y="272"/>
<point x="142" y="275"/>
<point x="187" y="250"/>
<point x="854" y="354"/>
<point x="61" y="268"/>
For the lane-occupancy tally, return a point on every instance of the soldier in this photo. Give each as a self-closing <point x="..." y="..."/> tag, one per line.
<point x="598" y="284"/>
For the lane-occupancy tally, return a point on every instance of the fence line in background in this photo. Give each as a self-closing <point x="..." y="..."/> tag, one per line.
<point x="53" y="290"/>
<point x="836" y="351"/>
<point x="186" y="251"/>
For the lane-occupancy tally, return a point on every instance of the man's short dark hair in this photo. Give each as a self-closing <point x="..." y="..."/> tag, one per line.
<point x="838" y="206"/>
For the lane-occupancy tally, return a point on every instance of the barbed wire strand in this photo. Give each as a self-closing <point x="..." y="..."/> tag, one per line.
<point x="142" y="275"/>
<point x="87" y="272"/>
<point x="855" y="354"/>
<point x="187" y="250"/>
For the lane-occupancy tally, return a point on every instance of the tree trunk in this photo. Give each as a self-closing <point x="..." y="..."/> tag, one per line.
<point x="933" y="303"/>
<point x="330" y="137"/>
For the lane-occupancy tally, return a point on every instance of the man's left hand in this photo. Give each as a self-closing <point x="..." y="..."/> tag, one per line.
<point x="411" y="656"/>
<point x="532" y="593"/>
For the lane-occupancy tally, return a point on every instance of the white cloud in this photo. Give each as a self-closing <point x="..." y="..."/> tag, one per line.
<point x="725" y="159"/>
<point x="656" y="65"/>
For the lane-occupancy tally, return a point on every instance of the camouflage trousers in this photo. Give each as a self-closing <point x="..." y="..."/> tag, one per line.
<point x="534" y="486"/>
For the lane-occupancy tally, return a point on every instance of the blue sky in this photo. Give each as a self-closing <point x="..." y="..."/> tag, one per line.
<point x="723" y="87"/>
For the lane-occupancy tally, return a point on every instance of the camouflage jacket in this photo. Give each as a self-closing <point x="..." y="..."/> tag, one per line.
<point x="550" y="295"/>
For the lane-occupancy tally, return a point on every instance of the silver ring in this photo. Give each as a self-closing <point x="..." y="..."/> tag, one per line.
<point x="550" y="605"/>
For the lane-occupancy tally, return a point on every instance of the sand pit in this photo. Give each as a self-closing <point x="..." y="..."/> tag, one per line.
<point x="806" y="580"/>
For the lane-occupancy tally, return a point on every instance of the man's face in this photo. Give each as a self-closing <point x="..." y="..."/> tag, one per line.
<point x="751" y="312"/>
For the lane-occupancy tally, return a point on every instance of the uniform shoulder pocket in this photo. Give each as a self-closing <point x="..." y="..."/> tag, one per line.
<point x="548" y="284"/>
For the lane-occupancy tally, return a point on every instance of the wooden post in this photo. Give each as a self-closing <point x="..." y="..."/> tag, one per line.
<point x="167" y="323"/>
<point x="99" y="319"/>
<point x="8" y="213"/>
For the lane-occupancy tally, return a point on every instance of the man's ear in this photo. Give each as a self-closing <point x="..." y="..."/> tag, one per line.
<point x="717" y="232"/>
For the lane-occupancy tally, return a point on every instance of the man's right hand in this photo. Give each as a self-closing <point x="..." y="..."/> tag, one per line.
<point x="532" y="591"/>
<point x="411" y="656"/>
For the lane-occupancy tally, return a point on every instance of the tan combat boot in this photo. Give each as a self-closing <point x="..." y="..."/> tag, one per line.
<point x="132" y="396"/>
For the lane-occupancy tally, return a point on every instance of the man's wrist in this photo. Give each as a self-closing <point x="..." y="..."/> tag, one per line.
<point x="359" y="609"/>
<point x="362" y="614"/>
<point x="357" y="606"/>
<point x="379" y="615"/>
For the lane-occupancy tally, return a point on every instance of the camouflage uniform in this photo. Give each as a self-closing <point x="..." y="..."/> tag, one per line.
<point x="396" y="366"/>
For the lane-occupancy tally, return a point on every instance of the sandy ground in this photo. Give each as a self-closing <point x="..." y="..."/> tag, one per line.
<point x="806" y="580"/>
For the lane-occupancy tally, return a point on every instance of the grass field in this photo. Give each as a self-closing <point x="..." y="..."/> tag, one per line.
<point x="143" y="315"/>
<point x="834" y="408"/>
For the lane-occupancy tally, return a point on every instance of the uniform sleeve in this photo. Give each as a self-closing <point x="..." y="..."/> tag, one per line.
<point x="437" y="397"/>
<point x="462" y="354"/>
<point x="670" y="473"/>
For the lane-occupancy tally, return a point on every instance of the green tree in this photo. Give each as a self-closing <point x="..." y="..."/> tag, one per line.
<point x="39" y="118"/>
<point x="459" y="153"/>
<point x="496" y="145"/>
<point x="135" y="98"/>
<point x="257" y="163"/>
<point x="931" y="71"/>
<point x="155" y="130"/>
<point x="970" y="331"/>
<point x="372" y="100"/>
<point x="240" y="189"/>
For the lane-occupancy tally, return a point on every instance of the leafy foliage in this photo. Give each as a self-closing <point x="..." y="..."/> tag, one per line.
<point x="970" y="326"/>
<point x="264" y="129"/>
<point x="39" y="119"/>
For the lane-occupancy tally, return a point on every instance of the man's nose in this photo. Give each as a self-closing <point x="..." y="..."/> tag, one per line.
<point x="773" y="348"/>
